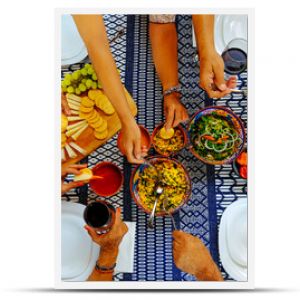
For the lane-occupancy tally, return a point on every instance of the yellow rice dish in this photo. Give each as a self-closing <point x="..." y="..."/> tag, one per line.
<point x="174" y="182"/>
<point x="167" y="146"/>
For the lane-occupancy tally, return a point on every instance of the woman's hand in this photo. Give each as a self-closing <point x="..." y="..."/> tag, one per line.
<point x="132" y="143"/>
<point x="112" y="239"/>
<point x="64" y="105"/>
<point x="191" y="256"/>
<point x="72" y="169"/>
<point x="174" y="110"/>
<point x="212" y="75"/>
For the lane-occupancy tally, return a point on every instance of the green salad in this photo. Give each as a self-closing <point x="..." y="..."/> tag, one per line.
<point x="214" y="138"/>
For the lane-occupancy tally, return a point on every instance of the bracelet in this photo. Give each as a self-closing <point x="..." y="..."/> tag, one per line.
<point x="173" y="89"/>
<point x="105" y="269"/>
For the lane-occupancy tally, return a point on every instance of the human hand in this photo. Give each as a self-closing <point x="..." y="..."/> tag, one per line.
<point x="64" y="105"/>
<point x="212" y="75"/>
<point x="132" y="143"/>
<point x="191" y="256"/>
<point x="72" y="169"/>
<point x="174" y="110"/>
<point x="111" y="240"/>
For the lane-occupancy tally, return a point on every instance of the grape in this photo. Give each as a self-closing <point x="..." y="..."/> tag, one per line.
<point x="94" y="76"/>
<point x="83" y="72"/>
<point x="68" y="76"/>
<point x="63" y="84"/>
<point x="82" y="87"/>
<point x="89" y="83"/>
<point x="83" y="80"/>
<point x="99" y="85"/>
<point x="90" y="71"/>
<point x="77" y="91"/>
<point x="70" y="89"/>
<point x="76" y="75"/>
<point x="94" y="85"/>
<point x="87" y="66"/>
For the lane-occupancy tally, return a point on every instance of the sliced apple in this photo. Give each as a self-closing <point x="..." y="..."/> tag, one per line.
<point x="166" y="134"/>
<point x="71" y="153"/>
<point x="74" y="97"/>
<point x="86" y="175"/>
<point x="76" y="129"/>
<point x="77" y="124"/>
<point x="74" y="118"/>
<point x="76" y="135"/>
<point x="78" y="148"/>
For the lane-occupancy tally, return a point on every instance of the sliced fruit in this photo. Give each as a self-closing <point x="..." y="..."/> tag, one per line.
<point x="74" y="107"/>
<point x="76" y="135"/>
<point x="96" y="123"/>
<point x="85" y="115"/>
<point x="63" y="137"/>
<point x="101" y="135"/>
<point x="102" y="128"/>
<point x="166" y="134"/>
<point x="92" y="115"/>
<point x="92" y="94"/>
<point x="70" y="152"/>
<point x="74" y="118"/>
<point x="87" y="102"/>
<point x="63" y="155"/>
<point x="76" y="129"/>
<point x="78" y="148"/>
<point x="74" y="112"/>
<point x="75" y="103"/>
<point x="64" y="123"/>
<point x="86" y="174"/>
<point x="74" y="97"/>
<point x="86" y="109"/>
<point x="77" y="124"/>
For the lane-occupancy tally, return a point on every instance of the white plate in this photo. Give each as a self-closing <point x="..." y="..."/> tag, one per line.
<point x="73" y="49"/>
<point x="227" y="28"/>
<point x="78" y="252"/>
<point x="233" y="240"/>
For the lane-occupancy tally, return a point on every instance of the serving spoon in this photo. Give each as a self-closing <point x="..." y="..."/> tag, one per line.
<point x="159" y="190"/>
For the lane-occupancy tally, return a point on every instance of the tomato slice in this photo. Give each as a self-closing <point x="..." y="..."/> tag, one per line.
<point x="243" y="171"/>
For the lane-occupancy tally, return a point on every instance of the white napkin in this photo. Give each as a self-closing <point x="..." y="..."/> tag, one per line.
<point x="125" y="259"/>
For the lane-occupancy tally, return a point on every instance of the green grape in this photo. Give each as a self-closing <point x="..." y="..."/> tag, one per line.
<point x="83" y="72"/>
<point x="75" y="76"/>
<point x="87" y="66"/>
<point x="64" y="89"/>
<point x="68" y="77"/>
<point x="89" y="83"/>
<point x="77" y="91"/>
<point x="99" y="85"/>
<point x="63" y="84"/>
<point x="82" y="87"/>
<point x="94" y="76"/>
<point x="90" y="71"/>
<point x="70" y="89"/>
<point x="83" y="80"/>
<point x="67" y="82"/>
<point x="94" y="85"/>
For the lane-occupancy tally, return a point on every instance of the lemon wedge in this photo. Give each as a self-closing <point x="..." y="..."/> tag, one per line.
<point x="166" y="134"/>
<point x="86" y="174"/>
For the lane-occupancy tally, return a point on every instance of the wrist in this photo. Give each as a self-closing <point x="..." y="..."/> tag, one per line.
<point x="206" y="52"/>
<point x="209" y="273"/>
<point x="108" y="256"/>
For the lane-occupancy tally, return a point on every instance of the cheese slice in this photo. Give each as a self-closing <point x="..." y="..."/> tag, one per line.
<point x="76" y="135"/>
<point x="74" y="97"/>
<point x="70" y="152"/>
<point x="76" y="129"/>
<point x="86" y="174"/>
<point x="77" y="124"/>
<point x="78" y="148"/>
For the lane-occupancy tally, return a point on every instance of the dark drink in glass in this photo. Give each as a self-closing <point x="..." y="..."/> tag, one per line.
<point x="100" y="215"/>
<point x="235" y="60"/>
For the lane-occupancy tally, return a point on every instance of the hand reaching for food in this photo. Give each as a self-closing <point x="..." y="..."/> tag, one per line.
<point x="72" y="169"/>
<point x="212" y="76"/>
<point x="174" y="110"/>
<point x="191" y="256"/>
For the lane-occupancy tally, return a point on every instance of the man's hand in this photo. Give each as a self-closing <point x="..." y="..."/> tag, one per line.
<point x="212" y="75"/>
<point x="112" y="239"/>
<point x="175" y="112"/>
<point x="72" y="169"/>
<point x="191" y="256"/>
<point x="132" y="143"/>
<point x="64" y="105"/>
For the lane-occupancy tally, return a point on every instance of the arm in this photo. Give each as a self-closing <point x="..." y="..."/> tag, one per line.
<point x="191" y="256"/>
<point x="93" y="33"/>
<point x="163" y="39"/>
<point x="211" y="63"/>
<point x="109" y="243"/>
<point x="72" y="169"/>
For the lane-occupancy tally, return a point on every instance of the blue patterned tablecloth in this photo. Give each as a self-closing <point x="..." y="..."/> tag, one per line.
<point x="214" y="188"/>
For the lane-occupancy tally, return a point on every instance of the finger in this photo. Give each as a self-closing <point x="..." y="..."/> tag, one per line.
<point x="169" y="118"/>
<point x="131" y="158"/>
<point x="218" y="94"/>
<point x="73" y="171"/>
<point x="71" y="185"/>
<point x="137" y="148"/>
<point x="92" y="232"/>
<point x="219" y="77"/>
<point x="78" y="166"/>
<point x="178" y="117"/>
<point x="118" y="216"/>
<point x="231" y="82"/>
<point x="185" y="116"/>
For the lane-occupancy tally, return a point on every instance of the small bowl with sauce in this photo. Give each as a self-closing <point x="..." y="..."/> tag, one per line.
<point x="145" y="139"/>
<point x="111" y="179"/>
<point x="168" y="145"/>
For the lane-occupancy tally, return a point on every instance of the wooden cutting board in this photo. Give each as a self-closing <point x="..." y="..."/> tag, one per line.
<point x="87" y="140"/>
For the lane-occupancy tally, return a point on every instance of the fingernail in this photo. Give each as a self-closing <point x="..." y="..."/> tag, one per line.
<point x="223" y="87"/>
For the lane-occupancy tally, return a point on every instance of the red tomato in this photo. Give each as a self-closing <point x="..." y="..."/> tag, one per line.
<point x="242" y="159"/>
<point x="243" y="171"/>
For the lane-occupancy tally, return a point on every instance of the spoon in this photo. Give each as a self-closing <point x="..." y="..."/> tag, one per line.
<point x="165" y="203"/>
<point x="158" y="191"/>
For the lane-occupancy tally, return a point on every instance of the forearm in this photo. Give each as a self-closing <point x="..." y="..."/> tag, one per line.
<point x="210" y="273"/>
<point x="107" y="258"/>
<point x="163" y="39"/>
<point x="204" y="32"/>
<point x="93" y="32"/>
